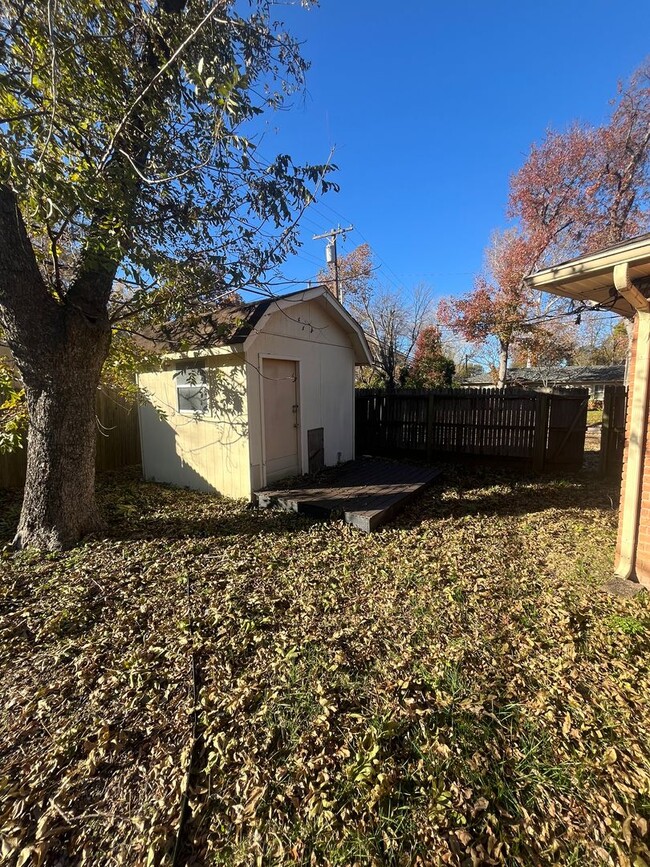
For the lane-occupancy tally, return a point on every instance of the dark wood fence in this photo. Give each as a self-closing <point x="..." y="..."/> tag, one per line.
<point x="612" y="435"/>
<point x="118" y="441"/>
<point x="544" y="429"/>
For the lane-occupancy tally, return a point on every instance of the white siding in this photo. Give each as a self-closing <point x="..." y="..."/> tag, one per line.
<point x="307" y="334"/>
<point x="208" y="454"/>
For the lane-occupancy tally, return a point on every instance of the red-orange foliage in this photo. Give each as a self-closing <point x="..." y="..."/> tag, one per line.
<point x="588" y="187"/>
<point x="430" y="367"/>
<point x="356" y="273"/>
<point x="500" y="304"/>
<point x="577" y="191"/>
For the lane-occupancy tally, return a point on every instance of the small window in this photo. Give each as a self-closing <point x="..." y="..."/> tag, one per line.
<point x="192" y="390"/>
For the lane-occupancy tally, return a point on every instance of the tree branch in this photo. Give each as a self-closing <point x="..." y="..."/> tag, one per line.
<point x="27" y="309"/>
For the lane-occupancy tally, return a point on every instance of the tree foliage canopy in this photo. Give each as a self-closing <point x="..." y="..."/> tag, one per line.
<point x="128" y="142"/>
<point x="132" y="189"/>
<point x="588" y="187"/>
<point x="578" y="190"/>
<point x="500" y="305"/>
<point x="430" y="367"/>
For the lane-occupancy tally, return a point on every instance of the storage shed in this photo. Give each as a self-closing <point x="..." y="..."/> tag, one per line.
<point x="252" y="393"/>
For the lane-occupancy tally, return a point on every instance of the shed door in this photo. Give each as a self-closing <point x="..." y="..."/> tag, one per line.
<point x="281" y="418"/>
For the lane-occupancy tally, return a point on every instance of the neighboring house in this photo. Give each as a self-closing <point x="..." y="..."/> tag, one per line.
<point x="594" y="378"/>
<point x="618" y="279"/>
<point x="252" y="393"/>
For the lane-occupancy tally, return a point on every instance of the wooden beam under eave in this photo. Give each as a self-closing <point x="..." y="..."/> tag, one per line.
<point x="624" y="285"/>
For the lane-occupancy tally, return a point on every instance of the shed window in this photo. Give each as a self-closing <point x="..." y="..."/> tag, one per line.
<point x="192" y="390"/>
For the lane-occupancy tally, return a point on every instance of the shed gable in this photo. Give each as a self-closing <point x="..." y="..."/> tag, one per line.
<point x="305" y="320"/>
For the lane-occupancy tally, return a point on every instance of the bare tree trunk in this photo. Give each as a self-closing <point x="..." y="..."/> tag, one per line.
<point x="503" y="365"/>
<point x="59" y="505"/>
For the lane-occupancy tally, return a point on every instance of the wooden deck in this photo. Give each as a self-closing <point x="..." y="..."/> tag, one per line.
<point x="365" y="493"/>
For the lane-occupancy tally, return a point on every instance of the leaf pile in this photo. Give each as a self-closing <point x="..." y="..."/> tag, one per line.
<point x="454" y="689"/>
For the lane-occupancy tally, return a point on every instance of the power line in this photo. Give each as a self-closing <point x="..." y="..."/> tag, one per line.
<point x="397" y="281"/>
<point x="331" y="255"/>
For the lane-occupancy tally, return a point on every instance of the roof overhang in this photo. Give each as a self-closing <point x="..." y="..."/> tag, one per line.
<point x="204" y="352"/>
<point x="322" y="295"/>
<point x="617" y="278"/>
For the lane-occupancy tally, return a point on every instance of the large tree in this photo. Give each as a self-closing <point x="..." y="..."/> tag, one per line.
<point x="577" y="191"/>
<point x="130" y="189"/>
<point x="500" y="307"/>
<point x="588" y="187"/>
<point x="391" y="318"/>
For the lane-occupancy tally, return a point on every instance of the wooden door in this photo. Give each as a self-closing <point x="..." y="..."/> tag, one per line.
<point x="281" y="418"/>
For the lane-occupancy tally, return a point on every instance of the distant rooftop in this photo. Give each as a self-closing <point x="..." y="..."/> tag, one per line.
<point x="568" y="375"/>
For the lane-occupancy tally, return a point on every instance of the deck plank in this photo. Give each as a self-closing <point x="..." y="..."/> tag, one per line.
<point x="364" y="493"/>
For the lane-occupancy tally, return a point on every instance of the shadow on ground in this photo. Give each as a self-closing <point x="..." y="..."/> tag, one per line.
<point x="147" y="511"/>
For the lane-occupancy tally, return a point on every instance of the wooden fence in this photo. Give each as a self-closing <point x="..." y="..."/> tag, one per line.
<point x="118" y="442"/>
<point x="612" y="435"/>
<point x="545" y="429"/>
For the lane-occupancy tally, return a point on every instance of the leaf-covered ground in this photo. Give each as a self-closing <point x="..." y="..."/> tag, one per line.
<point x="457" y="688"/>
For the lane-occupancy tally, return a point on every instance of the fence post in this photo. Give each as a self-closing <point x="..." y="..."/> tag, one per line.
<point x="541" y="430"/>
<point x="430" y="407"/>
<point x="608" y="407"/>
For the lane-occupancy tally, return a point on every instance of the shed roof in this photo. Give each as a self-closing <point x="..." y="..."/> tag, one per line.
<point x="234" y="324"/>
<point x="590" y="278"/>
<point x="567" y="375"/>
<point x="221" y="326"/>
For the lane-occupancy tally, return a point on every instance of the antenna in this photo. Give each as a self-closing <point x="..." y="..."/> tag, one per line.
<point x="331" y="255"/>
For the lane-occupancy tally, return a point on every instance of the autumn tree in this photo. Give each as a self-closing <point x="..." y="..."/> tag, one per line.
<point x="500" y="307"/>
<point x="588" y="187"/>
<point x="130" y="187"/>
<point x="600" y="343"/>
<point x="356" y="273"/>
<point x="430" y="367"/>
<point x="577" y="191"/>
<point x="391" y="319"/>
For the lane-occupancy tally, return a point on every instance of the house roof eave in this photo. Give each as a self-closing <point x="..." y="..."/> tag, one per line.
<point x="590" y="278"/>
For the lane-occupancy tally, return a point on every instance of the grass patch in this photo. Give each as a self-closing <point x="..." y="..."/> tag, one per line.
<point x="453" y="689"/>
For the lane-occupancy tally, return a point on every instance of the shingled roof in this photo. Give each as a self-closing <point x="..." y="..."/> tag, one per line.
<point x="236" y="325"/>
<point x="569" y="375"/>
<point x="222" y="326"/>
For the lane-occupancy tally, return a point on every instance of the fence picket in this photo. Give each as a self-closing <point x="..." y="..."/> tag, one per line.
<point x="512" y="424"/>
<point x="118" y="442"/>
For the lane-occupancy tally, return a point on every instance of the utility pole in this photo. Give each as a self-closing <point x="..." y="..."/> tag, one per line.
<point x="331" y="255"/>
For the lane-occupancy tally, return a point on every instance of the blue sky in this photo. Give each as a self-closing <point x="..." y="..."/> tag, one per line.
<point x="431" y="107"/>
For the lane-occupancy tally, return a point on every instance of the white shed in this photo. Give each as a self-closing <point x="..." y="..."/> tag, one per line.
<point x="259" y="392"/>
